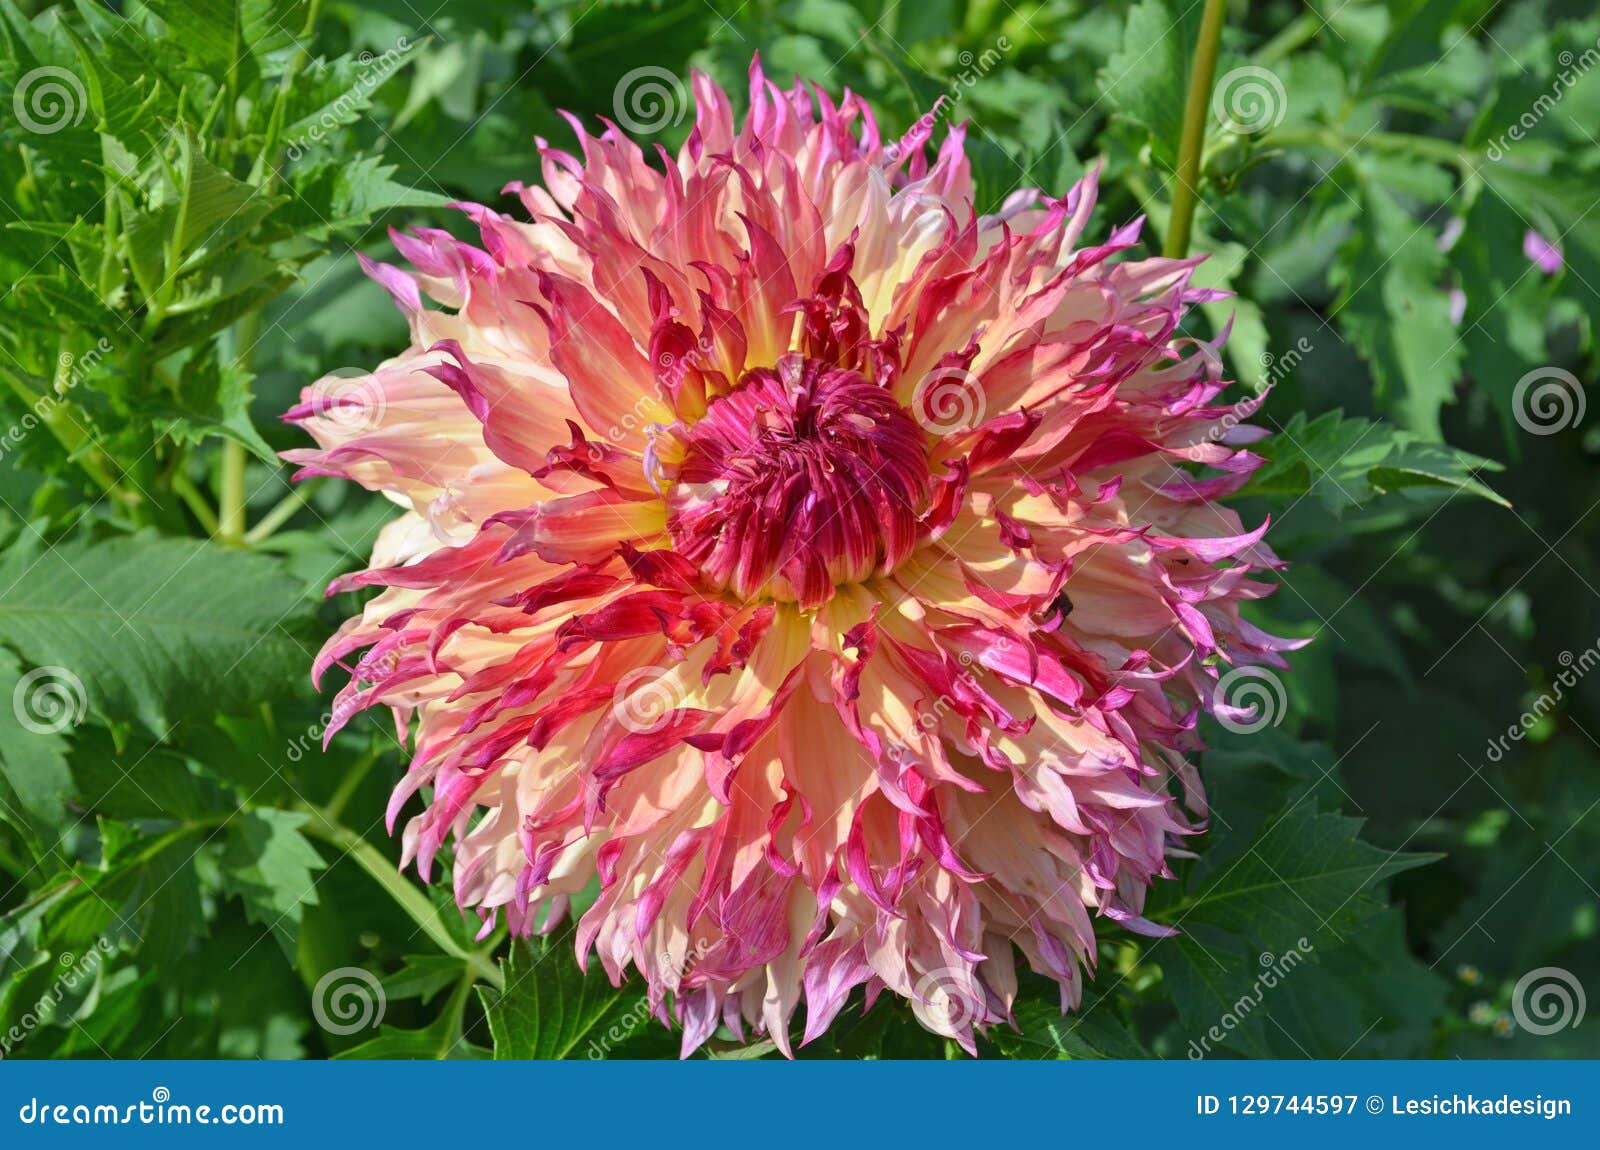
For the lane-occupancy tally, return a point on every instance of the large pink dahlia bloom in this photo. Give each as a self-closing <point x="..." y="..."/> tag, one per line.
<point x="835" y="573"/>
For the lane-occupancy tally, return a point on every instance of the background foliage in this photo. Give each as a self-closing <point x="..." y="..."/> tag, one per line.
<point x="184" y="872"/>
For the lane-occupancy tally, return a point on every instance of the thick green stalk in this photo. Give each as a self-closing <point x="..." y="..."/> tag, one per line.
<point x="230" y="486"/>
<point x="1185" y="192"/>
<point x="230" y="494"/>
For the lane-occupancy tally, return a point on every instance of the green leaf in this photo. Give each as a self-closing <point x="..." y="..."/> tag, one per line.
<point x="213" y="302"/>
<point x="1394" y="307"/>
<point x="333" y="93"/>
<point x="438" y="1040"/>
<point x="272" y="867"/>
<point x="145" y="892"/>
<point x="35" y="781"/>
<point x="163" y="895"/>
<point x="217" y="210"/>
<point x="1416" y="36"/>
<point x="1148" y="80"/>
<point x="551" y="1009"/>
<point x="423" y="976"/>
<point x="1371" y="998"/>
<point x="156" y="629"/>
<point x="1253" y="777"/>
<point x="336" y="195"/>
<point x="1306" y="873"/>
<point x="1288" y="912"/>
<point x="1042" y="1032"/>
<point x="1361" y="996"/>
<point x="1209" y="976"/>
<point x="141" y="780"/>
<point x="442" y="1038"/>
<point x="210" y="399"/>
<point x="1351" y="462"/>
<point x="215" y="32"/>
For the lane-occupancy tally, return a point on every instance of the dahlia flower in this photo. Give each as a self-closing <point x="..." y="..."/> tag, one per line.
<point x="833" y="573"/>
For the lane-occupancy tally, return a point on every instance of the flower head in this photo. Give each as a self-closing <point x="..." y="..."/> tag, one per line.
<point x="835" y="573"/>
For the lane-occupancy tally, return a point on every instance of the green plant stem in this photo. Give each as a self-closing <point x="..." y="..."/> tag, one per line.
<point x="1298" y="31"/>
<point x="55" y="414"/>
<point x="406" y="896"/>
<point x="281" y="513"/>
<point x="348" y="785"/>
<point x="1426" y="147"/>
<point x="195" y="501"/>
<point x="230" y="487"/>
<point x="230" y="495"/>
<point x="323" y="825"/>
<point x="1186" y="191"/>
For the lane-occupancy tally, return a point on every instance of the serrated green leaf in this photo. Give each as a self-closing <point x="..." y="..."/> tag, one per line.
<point x="1209" y="974"/>
<point x="1148" y="79"/>
<point x="210" y="399"/>
<point x="1305" y="872"/>
<point x="331" y="196"/>
<point x="33" y="759"/>
<point x="217" y="209"/>
<point x="333" y="93"/>
<point x="219" y="32"/>
<point x="440" y="1039"/>
<point x="272" y="867"/>
<point x="1349" y="462"/>
<point x="1043" y="1032"/>
<point x="156" y="629"/>
<point x="1394" y="307"/>
<point x="550" y="1009"/>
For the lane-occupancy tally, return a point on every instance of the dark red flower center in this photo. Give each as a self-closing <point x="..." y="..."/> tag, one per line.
<point x="801" y="478"/>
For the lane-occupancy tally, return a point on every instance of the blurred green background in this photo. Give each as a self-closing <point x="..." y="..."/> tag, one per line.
<point x="1401" y="194"/>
